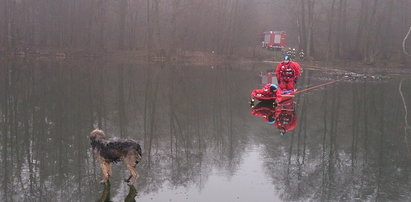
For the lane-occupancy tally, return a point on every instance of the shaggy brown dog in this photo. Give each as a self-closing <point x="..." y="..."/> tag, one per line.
<point x="110" y="150"/>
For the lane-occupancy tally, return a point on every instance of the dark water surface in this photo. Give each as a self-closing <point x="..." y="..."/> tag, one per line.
<point x="199" y="139"/>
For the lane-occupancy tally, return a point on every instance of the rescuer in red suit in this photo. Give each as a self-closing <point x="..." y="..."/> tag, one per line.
<point x="287" y="73"/>
<point x="285" y="117"/>
<point x="269" y="90"/>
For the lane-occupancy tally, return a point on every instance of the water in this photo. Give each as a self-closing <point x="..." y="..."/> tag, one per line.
<point x="200" y="141"/>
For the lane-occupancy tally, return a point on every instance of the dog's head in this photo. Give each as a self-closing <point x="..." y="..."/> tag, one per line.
<point x="97" y="135"/>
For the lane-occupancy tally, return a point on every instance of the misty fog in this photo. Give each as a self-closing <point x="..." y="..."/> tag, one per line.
<point x="367" y="30"/>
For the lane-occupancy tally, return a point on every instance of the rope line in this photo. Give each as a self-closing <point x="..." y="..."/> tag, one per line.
<point x="317" y="86"/>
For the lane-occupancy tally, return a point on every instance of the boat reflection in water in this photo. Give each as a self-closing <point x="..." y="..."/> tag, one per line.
<point x="282" y="115"/>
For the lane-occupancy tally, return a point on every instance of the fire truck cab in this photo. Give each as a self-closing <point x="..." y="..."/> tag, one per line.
<point x="274" y="40"/>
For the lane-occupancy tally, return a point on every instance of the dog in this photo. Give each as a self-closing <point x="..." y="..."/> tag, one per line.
<point x="109" y="151"/>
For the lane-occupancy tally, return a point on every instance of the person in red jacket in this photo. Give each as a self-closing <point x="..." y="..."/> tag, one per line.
<point x="268" y="92"/>
<point x="287" y="73"/>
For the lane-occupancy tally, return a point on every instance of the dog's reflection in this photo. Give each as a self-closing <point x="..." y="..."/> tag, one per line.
<point x="132" y="193"/>
<point x="105" y="196"/>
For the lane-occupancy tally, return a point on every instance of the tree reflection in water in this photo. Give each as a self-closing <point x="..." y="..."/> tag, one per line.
<point x="348" y="147"/>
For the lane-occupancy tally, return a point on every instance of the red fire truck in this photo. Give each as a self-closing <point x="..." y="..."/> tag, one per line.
<point x="274" y="40"/>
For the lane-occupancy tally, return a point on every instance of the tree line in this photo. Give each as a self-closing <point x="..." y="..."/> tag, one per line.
<point x="328" y="29"/>
<point x="366" y="30"/>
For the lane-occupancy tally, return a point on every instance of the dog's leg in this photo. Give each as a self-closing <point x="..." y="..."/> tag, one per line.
<point x="105" y="169"/>
<point x="130" y="163"/>
<point x="128" y="179"/>
<point x="133" y="173"/>
<point x="134" y="162"/>
<point x="110" y="173"/>
<point x="126" y="163"/>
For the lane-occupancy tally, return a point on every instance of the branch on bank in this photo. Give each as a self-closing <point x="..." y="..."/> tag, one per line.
<point x="404" y="50"/>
